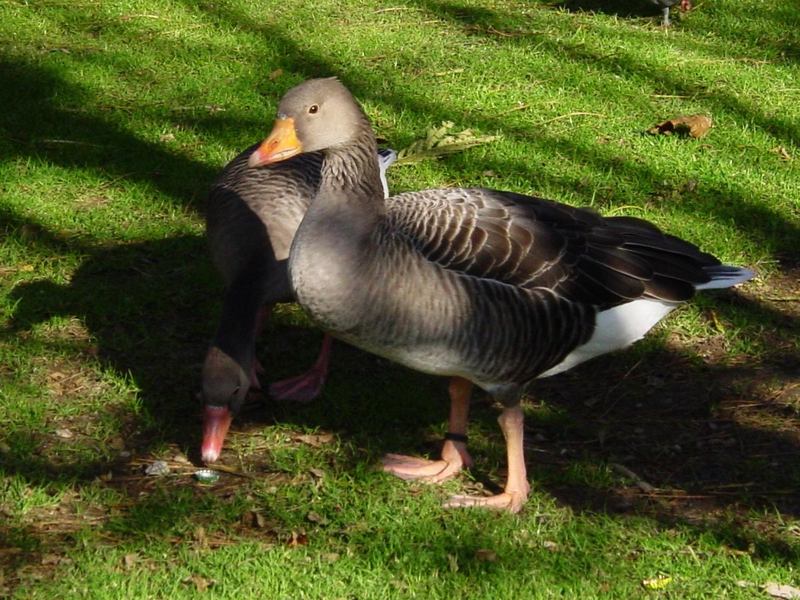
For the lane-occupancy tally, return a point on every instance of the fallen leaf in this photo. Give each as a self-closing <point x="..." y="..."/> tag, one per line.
<point x="201" y="584"/>
<point x="486" y="555"/>
<point x="129" y="560"/>
<point x="782" y="152"/>
<point x="315" y="440"/>
<point x="695" y="126"/>
<point x="452" y="562"/>
<point x="167" y="137"/>
<point x="316" y="518"/>
<point x="657" y="583"/>
<point x="784" y="592"/>
<point x="159" y="467"/>
<point x="439" y="141"/>
<point x="299" y="538"/>
<point x="275" y="74"/>
<point x="199" y="536"/>
<point x="260" y="520"/>
<point x="552" y="546"/>
<point x="64" y="433"/>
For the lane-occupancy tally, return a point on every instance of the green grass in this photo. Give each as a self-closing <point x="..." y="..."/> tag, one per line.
<point x="117" y="116"/>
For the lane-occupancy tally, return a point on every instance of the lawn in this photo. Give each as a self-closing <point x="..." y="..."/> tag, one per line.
<point x="669" y="470"/>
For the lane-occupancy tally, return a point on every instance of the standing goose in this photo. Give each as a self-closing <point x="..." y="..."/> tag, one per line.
<point x="251" y="218"/>
<point x="665" y="5"/>
<point x="491" y="288"/>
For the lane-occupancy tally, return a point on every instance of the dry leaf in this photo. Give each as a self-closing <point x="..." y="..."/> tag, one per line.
<point x="315" y="440"/>
<point x="695" y="126"/>
<point x="485" y="555"/>
<point x="199" y="536"/>
<point x="275" y="74"/>
<point x="439" y="141"/>
<point x="784" y="592"/>
<point x="299" y="538"/>
<point x="51" y="559"/>
<point x="260" y="520"/>
<point x="201" y="584"/>
<point x="552" y="546"/>
<point x="129" y="560"/>
<point x="64" y="433"/>
<point x="316" y="518"/>
<point x="657" y="583"/>
<point x="452" y="562"/>
<point x="782" y="152"/>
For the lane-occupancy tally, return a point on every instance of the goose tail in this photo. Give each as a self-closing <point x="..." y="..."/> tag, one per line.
<point x="725" y="276"/>
<point x="386" y="157"/>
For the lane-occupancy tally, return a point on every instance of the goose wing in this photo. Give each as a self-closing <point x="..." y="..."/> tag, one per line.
<point x="530" y="242"/>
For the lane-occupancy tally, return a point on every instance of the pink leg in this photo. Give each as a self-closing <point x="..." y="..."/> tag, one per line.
<point x="305" y="387"/>
<point x="454" y="454"/>
<point x="517" y="488"/>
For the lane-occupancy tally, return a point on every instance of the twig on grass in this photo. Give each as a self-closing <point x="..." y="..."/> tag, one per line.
<point x="626" y="472"/>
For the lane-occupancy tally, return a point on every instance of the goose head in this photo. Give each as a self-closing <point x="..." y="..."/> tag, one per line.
<point x="316" y="115"/>
<point x="225" y="387"/>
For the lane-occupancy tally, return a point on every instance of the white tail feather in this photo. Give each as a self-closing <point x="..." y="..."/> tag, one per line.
<point x="725" y="276"/>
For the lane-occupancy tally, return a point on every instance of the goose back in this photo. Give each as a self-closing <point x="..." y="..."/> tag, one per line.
<point x="252" y="216"/>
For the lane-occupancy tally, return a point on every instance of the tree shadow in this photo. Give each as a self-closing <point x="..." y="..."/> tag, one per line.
<point x="729" y="204"/>
<point x="34" y="126"/>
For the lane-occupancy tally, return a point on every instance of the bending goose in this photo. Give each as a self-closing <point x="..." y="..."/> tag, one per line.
<point x="251" y="219"/>
<point x="491" y="288"/>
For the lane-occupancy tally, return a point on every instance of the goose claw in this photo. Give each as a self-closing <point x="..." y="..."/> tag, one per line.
<point x="303" y="388"/>
<point x="507" y="501"/>
<point x="410" y="468"/>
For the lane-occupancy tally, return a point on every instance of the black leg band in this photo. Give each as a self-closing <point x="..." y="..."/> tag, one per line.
<point x="456" y="437"/>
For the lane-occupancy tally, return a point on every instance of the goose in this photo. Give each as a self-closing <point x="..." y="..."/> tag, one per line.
<point x="492" y="289"/>
<point x="665" y="5"/>
<point x="251" y="218"/>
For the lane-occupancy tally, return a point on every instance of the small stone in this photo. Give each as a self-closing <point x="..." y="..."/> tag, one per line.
<point x="551" y="546"/>
<point x="157" y="468"/>
<point x="64" y="433"/>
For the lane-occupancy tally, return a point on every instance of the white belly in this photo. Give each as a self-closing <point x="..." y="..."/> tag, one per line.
<point x="616" y="328"/>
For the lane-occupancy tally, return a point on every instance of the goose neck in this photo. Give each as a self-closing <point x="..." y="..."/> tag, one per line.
<point x="350" y="173"/>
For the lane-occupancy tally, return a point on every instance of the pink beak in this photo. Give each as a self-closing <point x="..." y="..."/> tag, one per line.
<point x="216" y="421"/>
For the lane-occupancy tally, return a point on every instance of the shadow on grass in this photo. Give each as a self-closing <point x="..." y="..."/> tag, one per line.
<point x="731" y="203"/>
<point x="151" y="309"/>
<point x="674" y="418"/>
<point x="36" y="127"/>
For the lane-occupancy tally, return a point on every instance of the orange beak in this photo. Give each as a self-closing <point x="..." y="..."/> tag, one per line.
<point x="281" y="144"/>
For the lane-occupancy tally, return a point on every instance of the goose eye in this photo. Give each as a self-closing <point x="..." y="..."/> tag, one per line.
<point x="312" y="110"/>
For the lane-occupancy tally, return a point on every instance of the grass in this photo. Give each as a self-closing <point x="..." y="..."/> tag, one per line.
<point x="118" y="115"/>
